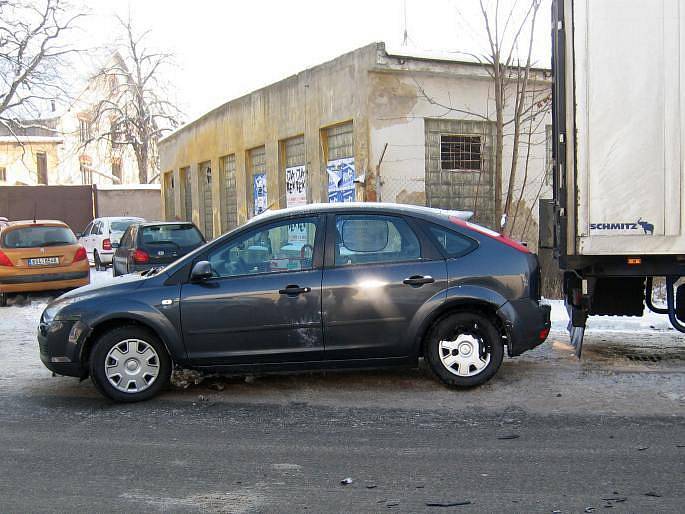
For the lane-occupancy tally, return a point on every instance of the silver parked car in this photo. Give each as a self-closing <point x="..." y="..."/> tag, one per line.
<point x="98" y="236"/>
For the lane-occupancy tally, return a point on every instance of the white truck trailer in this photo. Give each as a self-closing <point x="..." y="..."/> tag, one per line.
<point x="617" y="219"/>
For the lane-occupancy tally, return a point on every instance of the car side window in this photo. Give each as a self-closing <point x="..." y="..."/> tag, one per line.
<point x="97" y="228"/>
<point x="283" y="246"/>
<point x="372" y="239"/>
<point x="454" y="244"/>
<point x="86" y="231"/>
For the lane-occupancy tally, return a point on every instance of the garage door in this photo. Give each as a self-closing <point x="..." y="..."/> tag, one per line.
<point x="340" y="165"/>
<point x="229" y="201"/>
<point x="169" y="196"/>
<point x="187" y="194"/>
<point x="295" y="172"/>
<point x="206" y="204"/>
<point x="257" y="176"/>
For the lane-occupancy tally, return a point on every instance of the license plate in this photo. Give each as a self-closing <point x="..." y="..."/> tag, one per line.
<point x="43" y="261"/>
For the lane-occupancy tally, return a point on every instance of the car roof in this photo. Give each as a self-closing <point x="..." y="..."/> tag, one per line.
<point x="27" y="223"/>
<point x="390" y="208"/>
<point x="111" y="218"/>
<point x="157" y="223"/>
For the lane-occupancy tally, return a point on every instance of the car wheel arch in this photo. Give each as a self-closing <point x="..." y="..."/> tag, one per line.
<point x="110" y="324"/>
<point x="454" y="305"/>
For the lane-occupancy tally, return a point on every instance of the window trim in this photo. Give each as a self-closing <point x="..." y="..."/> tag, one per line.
<point x="317" y="257"/>
<point x="427" y="228"/>
<point x="425" y="253"/>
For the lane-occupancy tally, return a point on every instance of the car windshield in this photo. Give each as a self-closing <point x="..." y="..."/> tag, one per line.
<point x="121" y="225"/>
<point x="34" y="237"/>
<point x="176" y="235"/>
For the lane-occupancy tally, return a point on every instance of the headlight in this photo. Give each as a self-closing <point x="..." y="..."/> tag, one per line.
<point x="52" y="311"/>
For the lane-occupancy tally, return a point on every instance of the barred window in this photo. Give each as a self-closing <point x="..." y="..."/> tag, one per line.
<point x="460" y="152"/>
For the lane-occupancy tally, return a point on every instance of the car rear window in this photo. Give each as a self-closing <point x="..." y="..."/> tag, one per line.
<point x="34" y="237"/>
<point x="181" y="235"/>
<point x="121" y="225"/>
<point x="455" y="245"/>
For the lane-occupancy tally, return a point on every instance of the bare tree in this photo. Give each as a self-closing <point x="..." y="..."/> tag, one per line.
<point x="517" y="94"/>
<point x="33" y="55"/>
<point x="137" y="110"/>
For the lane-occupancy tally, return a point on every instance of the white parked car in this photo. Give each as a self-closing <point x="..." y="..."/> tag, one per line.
<point x="98" y="236"/>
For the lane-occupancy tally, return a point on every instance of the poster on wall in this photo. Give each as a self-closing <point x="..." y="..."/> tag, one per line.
<point x="260" y="200"/>
<point x="295" y="186"/>
<point x="341" y="175"/>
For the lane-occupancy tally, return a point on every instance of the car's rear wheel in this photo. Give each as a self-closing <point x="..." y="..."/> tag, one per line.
<point x="464" y="349"/>
<point x="129" y="364"/>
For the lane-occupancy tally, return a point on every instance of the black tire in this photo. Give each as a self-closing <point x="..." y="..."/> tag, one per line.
<point x="3" y="299"/>
<point x="119" y="337"/>
<point x="474" y="329"/>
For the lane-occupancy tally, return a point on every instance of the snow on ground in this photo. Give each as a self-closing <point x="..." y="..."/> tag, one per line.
<point x="649" y="321"/>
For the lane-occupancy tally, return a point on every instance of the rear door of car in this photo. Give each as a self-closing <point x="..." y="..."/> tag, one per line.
<point x="380" y="270"/>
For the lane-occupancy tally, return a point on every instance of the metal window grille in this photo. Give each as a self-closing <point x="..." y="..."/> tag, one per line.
<point x="229" y="200"/>
<point x="460" y="152"/>
<point x="340" y="141"/>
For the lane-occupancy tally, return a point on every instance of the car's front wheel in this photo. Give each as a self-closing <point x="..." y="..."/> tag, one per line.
<point x="129" y="364"/>
<point x="464" y="349"/>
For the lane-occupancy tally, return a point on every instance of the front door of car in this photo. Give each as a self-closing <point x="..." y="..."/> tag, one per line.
<point x="380" y="270"/>
<point x="263" y="303"/>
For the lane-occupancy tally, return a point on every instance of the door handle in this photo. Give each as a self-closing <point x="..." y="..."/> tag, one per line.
<point x="294" y="290"/>
<point x="418" y="280"/>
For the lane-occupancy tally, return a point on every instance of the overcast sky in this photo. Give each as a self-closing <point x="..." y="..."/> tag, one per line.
<point x="227" y="48"/>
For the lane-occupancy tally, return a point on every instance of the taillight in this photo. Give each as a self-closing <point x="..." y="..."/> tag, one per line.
<point x="80" y="254"/>
<point x="490" y="233"/>
<point x="106" y="244"/>
<point x="4" y="260"/>
<point x="140" y="256"/>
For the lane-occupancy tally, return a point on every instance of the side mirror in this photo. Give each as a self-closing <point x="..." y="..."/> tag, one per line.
<point x="115" y="244"/>
<point x="201" y="271"/>
<point x="79" y="235"/>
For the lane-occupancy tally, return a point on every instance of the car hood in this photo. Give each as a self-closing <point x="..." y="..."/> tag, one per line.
<point x="108" y="285"/>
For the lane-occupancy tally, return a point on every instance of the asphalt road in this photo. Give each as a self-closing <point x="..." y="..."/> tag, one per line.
<point x="83" y="454"/>
<point x="548" y="434"/>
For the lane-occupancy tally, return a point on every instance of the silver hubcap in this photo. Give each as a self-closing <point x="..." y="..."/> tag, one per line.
<point x="462" y="356"/>
<point x="131" y="366"/>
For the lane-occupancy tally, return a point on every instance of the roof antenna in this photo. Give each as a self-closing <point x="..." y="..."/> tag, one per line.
<point x="406" y="35"/>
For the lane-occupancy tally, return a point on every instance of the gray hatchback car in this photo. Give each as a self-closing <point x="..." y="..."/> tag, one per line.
<point x="315" y="287"/>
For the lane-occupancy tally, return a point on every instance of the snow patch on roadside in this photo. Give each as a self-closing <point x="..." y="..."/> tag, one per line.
<point x="648" y="322"/>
